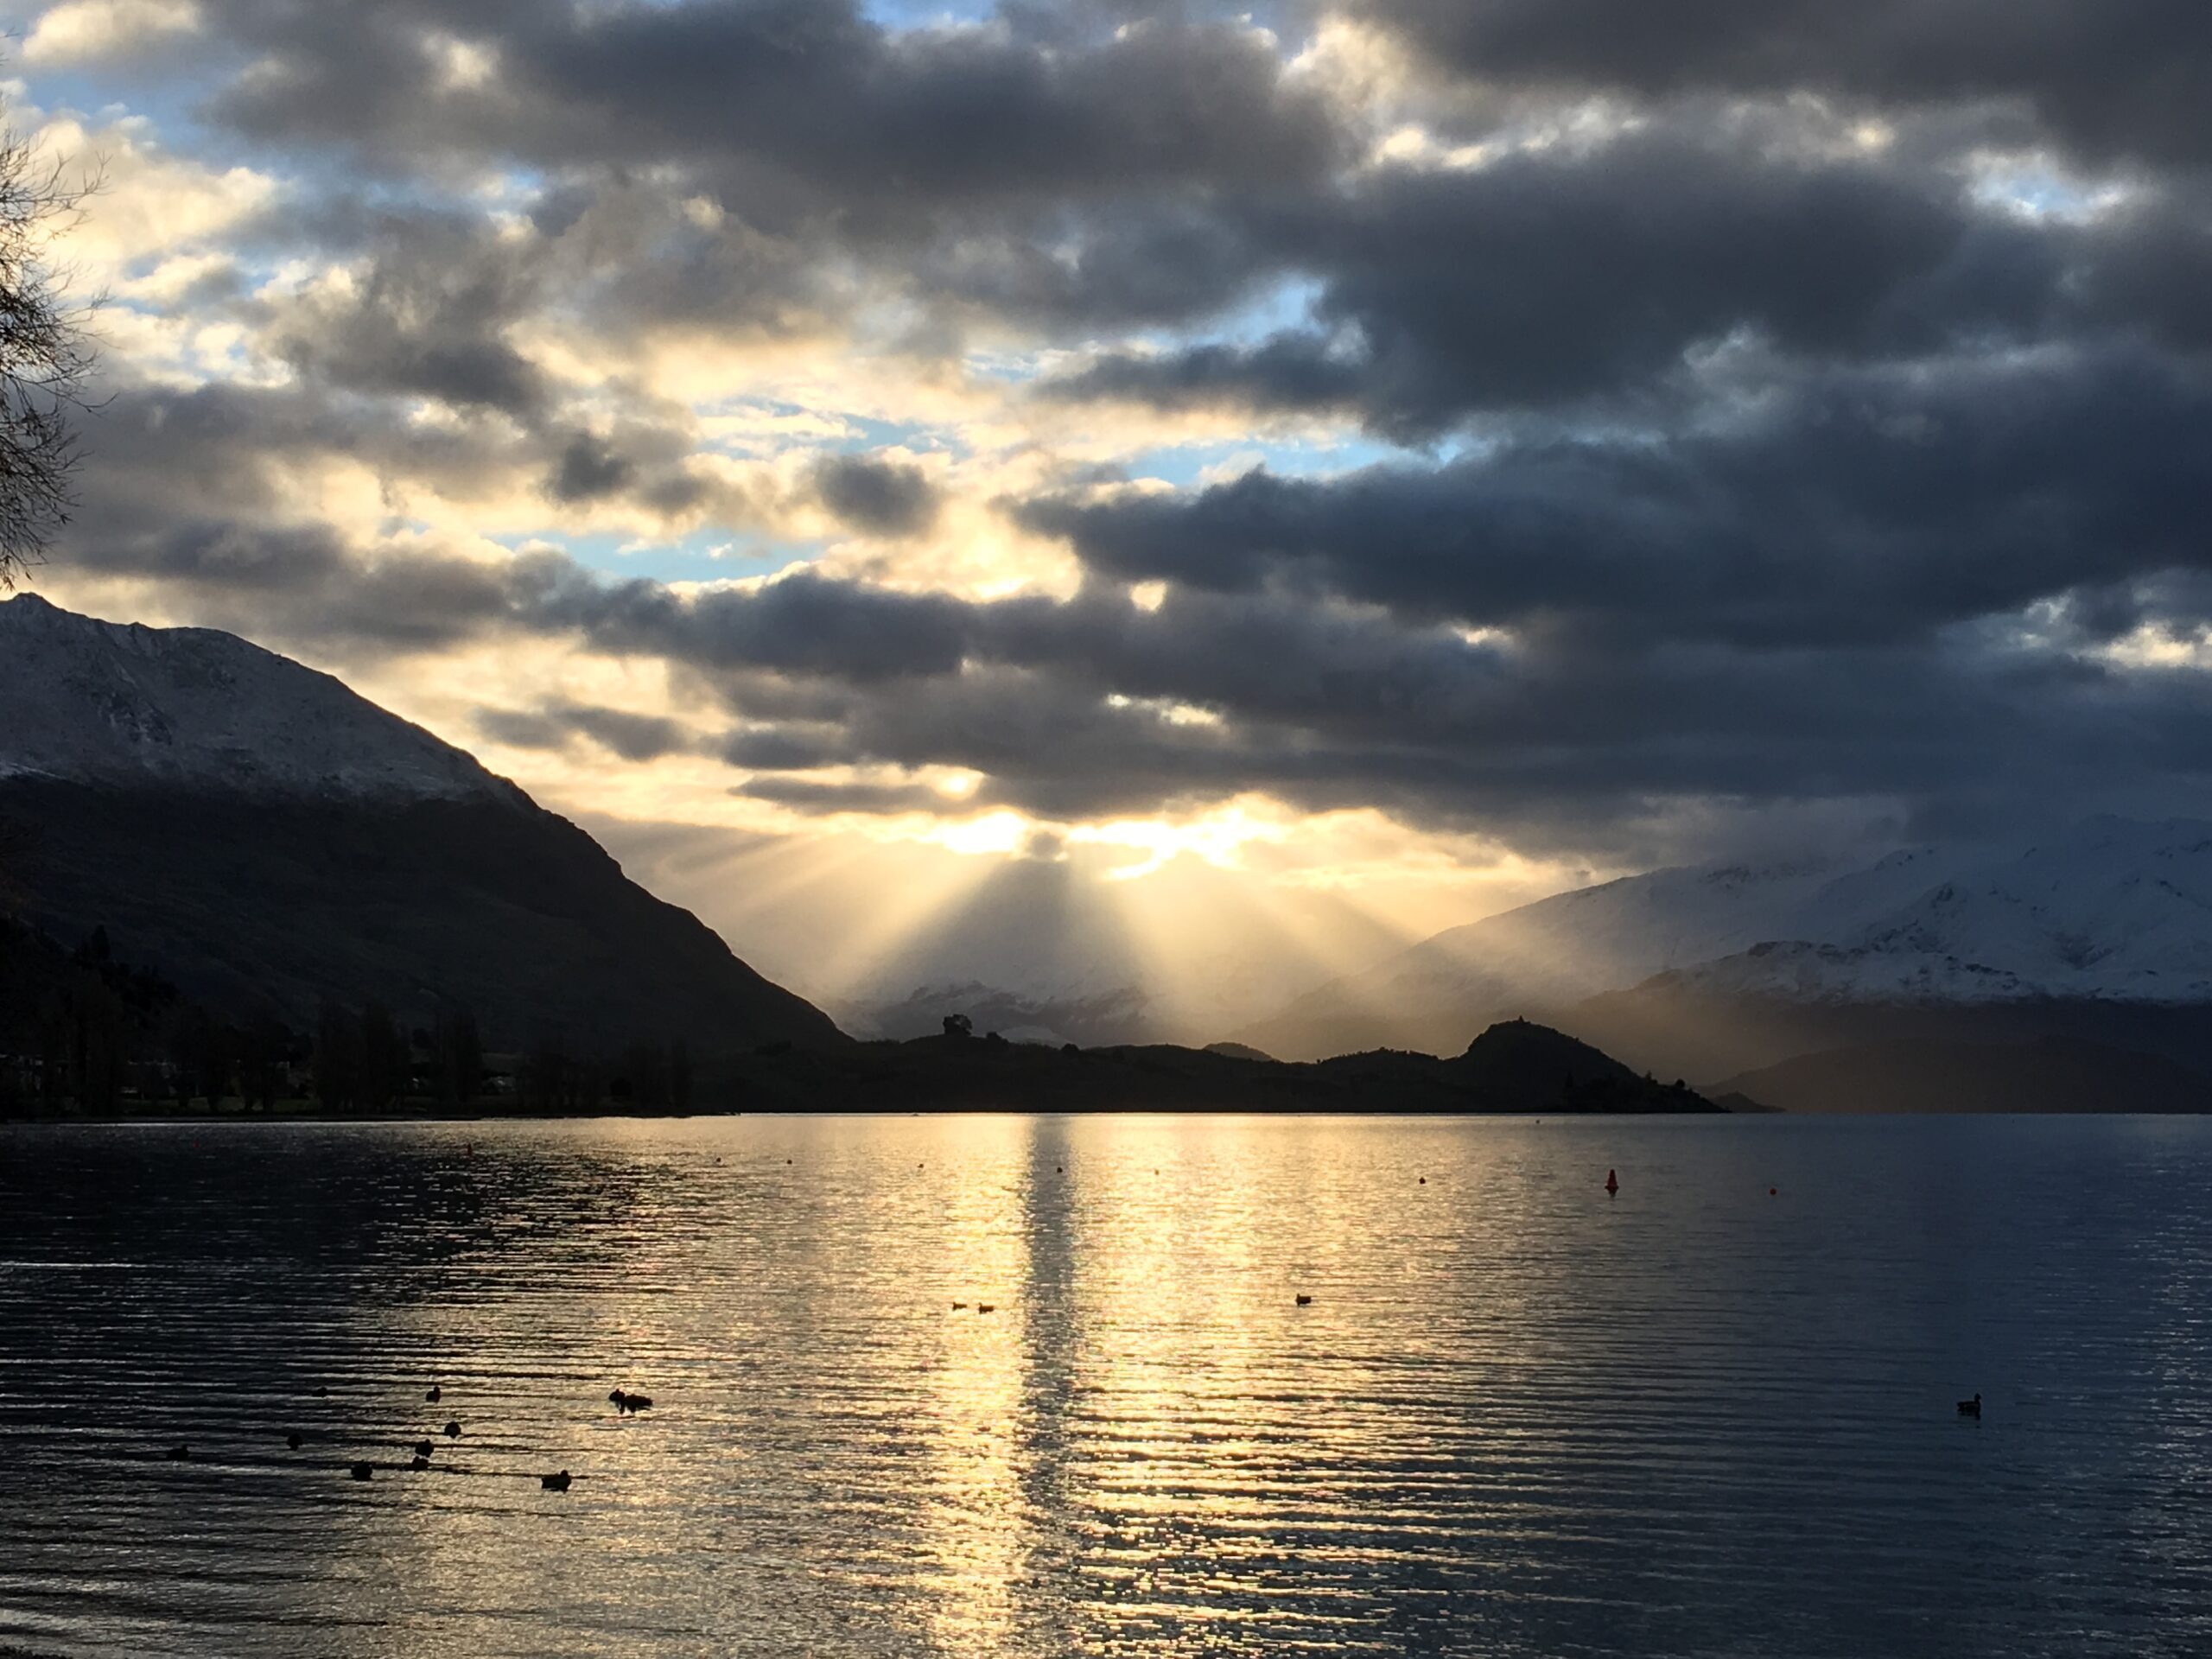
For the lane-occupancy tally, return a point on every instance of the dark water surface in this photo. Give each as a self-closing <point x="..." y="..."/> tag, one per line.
<point x="1519" y="1418"/>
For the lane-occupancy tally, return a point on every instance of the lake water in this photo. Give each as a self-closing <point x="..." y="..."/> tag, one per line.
<point x="1518" y="1418"/>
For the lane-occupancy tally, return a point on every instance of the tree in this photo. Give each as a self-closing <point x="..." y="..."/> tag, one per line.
<point x="456" y="1057"/>
<point x="337" y="1058"/>
<point x="45" y="359"/>
<point x="383" y="1058"/>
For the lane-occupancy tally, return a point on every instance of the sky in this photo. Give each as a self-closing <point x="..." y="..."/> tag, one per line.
<point x="1090" y="491"/>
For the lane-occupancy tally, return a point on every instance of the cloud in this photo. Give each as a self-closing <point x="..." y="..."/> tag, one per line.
<point x="79" y="29"/>
<point x="1871" y="504"/>
<point x="632" y="736"/>
<point x="1555" y="279"/>
<point x="885" y="498"/>
<point x="2128" y="80"/>
<point x="787" y="96"/>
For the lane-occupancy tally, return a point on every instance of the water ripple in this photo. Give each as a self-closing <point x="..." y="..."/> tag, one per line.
<point x="1712" y="1415"/>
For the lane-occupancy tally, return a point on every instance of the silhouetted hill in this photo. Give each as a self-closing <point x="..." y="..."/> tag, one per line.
<point x="1526" y="1069"/>
<point x="2055" y="1074"/>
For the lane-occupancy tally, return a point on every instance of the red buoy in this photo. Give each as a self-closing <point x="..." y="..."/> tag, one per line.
<point x="1612" y="1181"/>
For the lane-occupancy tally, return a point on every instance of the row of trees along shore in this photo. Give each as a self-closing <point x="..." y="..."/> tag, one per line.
<point x="83" y="1031"/>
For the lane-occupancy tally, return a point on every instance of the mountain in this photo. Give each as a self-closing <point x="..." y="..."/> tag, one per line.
<point x="269" y="839"/>
<point x="2102" y="934"/>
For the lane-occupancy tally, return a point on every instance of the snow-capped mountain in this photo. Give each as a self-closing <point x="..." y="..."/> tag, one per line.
<point x="107" y="703"/>
<point x="2110" y="910"/>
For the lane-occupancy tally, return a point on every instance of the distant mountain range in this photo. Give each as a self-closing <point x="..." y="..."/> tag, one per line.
<point x="2101" y="935"/>
<point x="269" y="839"/>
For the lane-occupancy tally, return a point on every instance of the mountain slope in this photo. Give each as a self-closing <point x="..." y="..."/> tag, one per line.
<point x="270" y="839"/>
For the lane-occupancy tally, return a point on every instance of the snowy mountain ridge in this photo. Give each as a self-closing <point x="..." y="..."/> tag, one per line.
<point x="2110" y="910"/>
<point x="123" y="704"/>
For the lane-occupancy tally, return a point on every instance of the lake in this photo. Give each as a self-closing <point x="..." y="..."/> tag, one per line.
<point x="1713" y="1414"/>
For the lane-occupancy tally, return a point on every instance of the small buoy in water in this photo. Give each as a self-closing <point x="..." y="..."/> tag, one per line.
<point x="555" y="1482"/>
<point x="436" y="1393"/>
<point x="453" y="1431"/>
<point x="292" y="1441"/>
<point x="1305" y="1301"/>
<point x="363" y="1471"/>
<point x="1612" y="1181"/>
<point x="180" y="1454"/>
<point x="1771" y="1190"/>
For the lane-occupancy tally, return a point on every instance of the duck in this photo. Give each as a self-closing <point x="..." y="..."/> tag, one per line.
<point x="436" y="1393"/>
<point x="364" y="1471"/>
<point x="418" y="1461"/>
<point x="960" y="1308"/>
<point x="320" y="1392"/>
<point x="985" y="1307"/>
<point x="1970" y="1408"/>
<point x="292" y="1441"/>
<point x="453" y="1431"/>
<point x="1304" y="1300"/>
<point x="423" y="1448"/>
<point x="180" y="1454"/>
<point x="555" y="1482"/>
<point x="627" y="1403"/>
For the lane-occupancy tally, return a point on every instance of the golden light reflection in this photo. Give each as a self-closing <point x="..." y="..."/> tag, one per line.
<point x="973" y="1526"/>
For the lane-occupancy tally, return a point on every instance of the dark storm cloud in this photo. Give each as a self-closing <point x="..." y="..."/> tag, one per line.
<point x="589" y="470"/>
<point x="1553" y="278"/>
<point x="786" y="94"/>
<point x="428" y="314"/>
<point x="885" y="498"/>
<point x="634" y="737"/>
<point x="2116" y="78"/>
<point x="812" y="797"/>
<point x="1870" y="506"/>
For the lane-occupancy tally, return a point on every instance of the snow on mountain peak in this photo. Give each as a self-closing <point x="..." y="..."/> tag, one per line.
<point x="124" y="704"/>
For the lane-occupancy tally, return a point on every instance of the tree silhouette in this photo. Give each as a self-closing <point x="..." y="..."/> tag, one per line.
<point x="45" y="359"/>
